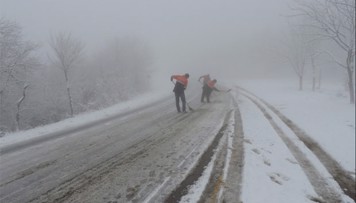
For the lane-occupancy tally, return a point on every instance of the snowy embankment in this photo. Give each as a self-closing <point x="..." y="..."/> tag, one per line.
<point x="82" y="120"/>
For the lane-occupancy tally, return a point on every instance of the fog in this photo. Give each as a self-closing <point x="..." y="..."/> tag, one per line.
<point x="117" y="49"/>
<point x="224" y="38"/>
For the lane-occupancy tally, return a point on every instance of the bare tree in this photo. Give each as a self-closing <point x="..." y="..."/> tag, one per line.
<point x="314" y="45"/>
<point x="316" y="69"/>
<point x="297" y="52"/>
<point x="335" y="21"/>
<point x="19" y="102"/>
<point x="314" y="72"/>
<point x="15" y="61"/>
<point x="68" y="52"/>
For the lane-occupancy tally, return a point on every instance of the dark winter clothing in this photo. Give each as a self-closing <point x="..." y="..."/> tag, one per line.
<point x="179" y="87"/>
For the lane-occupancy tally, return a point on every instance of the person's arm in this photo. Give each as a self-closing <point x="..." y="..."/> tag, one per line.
<point x="173" y="77"/>
<point x="214" y="88"/>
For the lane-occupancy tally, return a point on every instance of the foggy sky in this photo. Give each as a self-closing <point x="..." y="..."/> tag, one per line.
<point x="222" y="37"/>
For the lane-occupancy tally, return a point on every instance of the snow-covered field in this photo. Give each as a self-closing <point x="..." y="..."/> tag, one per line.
<point x="271" y="172"/>
<point x="325" y="115"/>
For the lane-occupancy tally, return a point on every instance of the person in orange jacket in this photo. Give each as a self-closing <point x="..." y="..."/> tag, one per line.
<point x="179" y="87"/>
<point x="206" y="79"/>
<point x="207" y="89"/>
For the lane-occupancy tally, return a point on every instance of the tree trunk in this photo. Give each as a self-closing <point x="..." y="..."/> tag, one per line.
<point x="1" y="104"/>
<point x="300" y="83"/>
<point x="314" y="74"/>
<point x="350" y="70"/>
<point x="68" y="93"/>
<point x="314" y="81"/>
<point x="351" y="86"/>
<point x="19" y="106"/>
<point x="319" y="79"/>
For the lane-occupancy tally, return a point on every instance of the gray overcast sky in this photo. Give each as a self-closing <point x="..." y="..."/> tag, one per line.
<point x="204" y="35"/>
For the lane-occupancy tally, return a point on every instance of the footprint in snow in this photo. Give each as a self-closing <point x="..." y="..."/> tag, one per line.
<point x="247" y="141"/>
<point x="269" y="152"/>
<point x="256" y="151"/>
<point x="266" y="161"/>
<point x="316" y="199"/>
<point x="291" y="161"/>
<point x="278" y="178"/>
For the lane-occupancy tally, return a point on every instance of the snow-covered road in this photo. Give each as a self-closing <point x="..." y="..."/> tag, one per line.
<point x="236" y="149"/>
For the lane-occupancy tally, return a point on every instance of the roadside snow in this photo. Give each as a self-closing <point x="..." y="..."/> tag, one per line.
<point x="81" y="119"/>
<point x="326" y="114"/>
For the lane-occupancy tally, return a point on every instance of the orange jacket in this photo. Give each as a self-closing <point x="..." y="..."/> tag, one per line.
<point x="181" y="79"/>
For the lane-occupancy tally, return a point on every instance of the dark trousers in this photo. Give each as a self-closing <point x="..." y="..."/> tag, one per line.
<point x="206" y="93"/>
<point x="181" y="96"/>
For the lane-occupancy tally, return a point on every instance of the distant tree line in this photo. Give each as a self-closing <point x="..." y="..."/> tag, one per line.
<point x="317" y="22"/>
<point x="34" y="92"/>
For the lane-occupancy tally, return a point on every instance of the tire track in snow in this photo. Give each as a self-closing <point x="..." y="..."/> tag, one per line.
<point x="236" y="165"/>
<point x="225" y="181"/>
<point x="196" y="173"/>
<point x="320" y="184"/>
<point x="341" y="176"/>
<point x="224" y="184"/>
